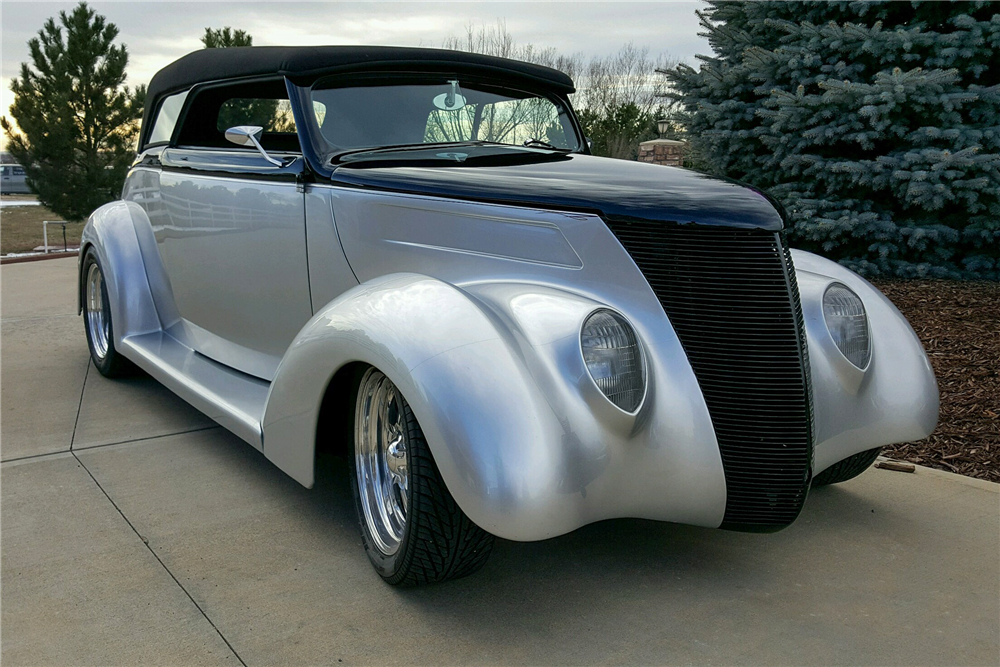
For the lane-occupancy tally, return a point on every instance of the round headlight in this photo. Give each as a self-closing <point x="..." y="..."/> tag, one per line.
<point x="848" y="324"/>
<point x="612" y="354"/>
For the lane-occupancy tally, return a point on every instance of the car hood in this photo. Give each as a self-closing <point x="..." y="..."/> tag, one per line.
<point x="615" y="189"/>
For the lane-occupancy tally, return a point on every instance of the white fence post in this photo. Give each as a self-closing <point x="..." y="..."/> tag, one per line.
<point x="45" y="230"/>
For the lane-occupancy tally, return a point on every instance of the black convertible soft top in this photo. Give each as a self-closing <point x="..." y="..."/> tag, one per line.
<point x="303" y="64"/>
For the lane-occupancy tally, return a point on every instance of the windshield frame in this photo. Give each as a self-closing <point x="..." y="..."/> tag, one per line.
<point x="321" y="150"/>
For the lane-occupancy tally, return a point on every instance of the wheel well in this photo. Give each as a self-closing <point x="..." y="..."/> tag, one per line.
<point x="79" y="278"/>
<point x="335" y="424"/>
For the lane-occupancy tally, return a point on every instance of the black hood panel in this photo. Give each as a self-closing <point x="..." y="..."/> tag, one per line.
<point x="616" y="189"/>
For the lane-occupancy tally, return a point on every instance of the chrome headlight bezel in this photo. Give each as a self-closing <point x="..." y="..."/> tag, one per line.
<point x="636" y="401"/>
<point x="859" y="357"/>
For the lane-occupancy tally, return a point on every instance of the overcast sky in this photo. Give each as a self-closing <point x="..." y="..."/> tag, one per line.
<point x="159" y="32"/>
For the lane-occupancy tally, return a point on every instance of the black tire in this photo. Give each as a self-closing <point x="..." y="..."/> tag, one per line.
<point x="439" y="541"/>
<point x="847" y="469"/>
<point x="111" y="364"/>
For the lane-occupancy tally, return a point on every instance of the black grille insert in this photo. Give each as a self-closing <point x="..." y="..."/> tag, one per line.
<point x="731" y="296"/>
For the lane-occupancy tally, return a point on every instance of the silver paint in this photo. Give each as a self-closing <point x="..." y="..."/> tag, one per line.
<point x="116" y="232"/>
<point x="525" y="441"/>
<point x="233" y="399"/>
<point x="235" y="253"/>
<point x="329" y="273"/>
<point x="111" y="232"/>
<point x="894" y="400"/>
<point x="480" y="333"/>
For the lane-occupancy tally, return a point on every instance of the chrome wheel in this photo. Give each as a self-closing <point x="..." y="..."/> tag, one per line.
<point x="98" y="320"/>
<point x="382" y="460"/>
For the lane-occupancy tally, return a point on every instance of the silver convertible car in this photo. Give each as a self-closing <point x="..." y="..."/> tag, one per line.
<point x="409" y="257"/>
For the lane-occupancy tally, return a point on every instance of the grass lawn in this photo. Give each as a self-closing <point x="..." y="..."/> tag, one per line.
<point x="21" y="227"/>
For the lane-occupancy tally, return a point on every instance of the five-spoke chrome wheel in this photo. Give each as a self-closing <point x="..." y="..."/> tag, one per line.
<point x="413" y="530"/>
<point x="382" y="460"/>
<point x="98" y="322"/>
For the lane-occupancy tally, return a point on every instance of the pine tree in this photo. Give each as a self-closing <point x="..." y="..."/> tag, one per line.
<point x="877" y="125"/>
<point x="224" y="38"/>
<point x="76" y="120"/>
<point x="617" y="131"/>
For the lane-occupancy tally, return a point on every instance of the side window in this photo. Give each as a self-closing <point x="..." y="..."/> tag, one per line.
<point x="215" y="109"/>
<point x="166" y="118"/>
<point x="272" y="115"/>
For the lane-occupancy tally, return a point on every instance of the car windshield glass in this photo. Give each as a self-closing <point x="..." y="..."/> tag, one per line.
<point x="406" y="113"/>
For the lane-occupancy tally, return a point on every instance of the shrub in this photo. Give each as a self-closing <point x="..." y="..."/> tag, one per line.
<point x="876" y="125"/>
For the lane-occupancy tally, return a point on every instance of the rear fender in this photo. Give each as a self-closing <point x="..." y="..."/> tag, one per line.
<point x="110" y="231"/>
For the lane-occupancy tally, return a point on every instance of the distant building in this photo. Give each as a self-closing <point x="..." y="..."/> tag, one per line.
<point x="663" y="151"/>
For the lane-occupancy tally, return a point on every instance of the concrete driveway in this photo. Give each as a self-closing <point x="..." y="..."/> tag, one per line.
<point x="134" y="531"/>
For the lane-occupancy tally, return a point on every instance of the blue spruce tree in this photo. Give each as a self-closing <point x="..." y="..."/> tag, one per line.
<point x="877" y="125"/>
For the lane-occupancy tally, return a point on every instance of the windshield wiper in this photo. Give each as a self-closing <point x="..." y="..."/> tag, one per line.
<point x="407" y="147"/>
<point x="539" y="143"/>
<point x="530" y="143"/>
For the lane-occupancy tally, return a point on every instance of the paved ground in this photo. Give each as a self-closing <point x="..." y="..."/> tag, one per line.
<point x="135" y="532"/>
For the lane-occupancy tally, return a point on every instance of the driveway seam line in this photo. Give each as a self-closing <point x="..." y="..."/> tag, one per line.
<point x="107" y="444"/>
<point x="159" y="560"/>
<point x="85" y="448"/>
<point x="79" y="407"/>
<point x="46" y="455"/>
<point x="32" y="318"/>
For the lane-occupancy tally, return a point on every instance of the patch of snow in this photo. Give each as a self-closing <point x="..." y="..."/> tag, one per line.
<point x="52" y="251"/>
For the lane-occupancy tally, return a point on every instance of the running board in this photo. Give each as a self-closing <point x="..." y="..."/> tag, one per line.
<point x="233" y="399"/>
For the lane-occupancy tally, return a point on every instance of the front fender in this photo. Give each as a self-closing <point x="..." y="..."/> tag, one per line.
<point x="442" y="352"/>
<point x="523" y="439"/>
<point x="894" y="400"/>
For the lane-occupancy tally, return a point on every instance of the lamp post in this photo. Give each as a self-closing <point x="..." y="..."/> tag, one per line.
<point x="663" y="126"/>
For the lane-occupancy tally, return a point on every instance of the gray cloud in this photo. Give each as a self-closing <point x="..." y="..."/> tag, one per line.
<point x="159" y="32"/>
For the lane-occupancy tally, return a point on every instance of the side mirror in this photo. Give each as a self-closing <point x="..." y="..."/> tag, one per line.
<point x="590" y="144"/>
<point x="249" y="135"/>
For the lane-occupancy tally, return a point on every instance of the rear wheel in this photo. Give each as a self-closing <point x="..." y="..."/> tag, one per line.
<point x="97" y="321"/>
<point x="847" y="469"/>
<point x="413" y="531"/>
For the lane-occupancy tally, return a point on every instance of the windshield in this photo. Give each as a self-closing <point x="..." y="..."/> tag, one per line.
<point x="365" y="115"/>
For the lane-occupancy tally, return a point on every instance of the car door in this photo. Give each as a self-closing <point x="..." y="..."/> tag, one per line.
<point x="229" y="228"/>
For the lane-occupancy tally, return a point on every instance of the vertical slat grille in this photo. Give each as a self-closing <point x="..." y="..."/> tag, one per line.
<point x="731" y="296"/>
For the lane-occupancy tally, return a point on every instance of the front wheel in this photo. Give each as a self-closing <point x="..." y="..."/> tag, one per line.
<point x="413" y="530"/>
<point x="847" y="469"/>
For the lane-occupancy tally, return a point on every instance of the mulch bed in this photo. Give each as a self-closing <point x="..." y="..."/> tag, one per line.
<point x="959" y="325"/>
